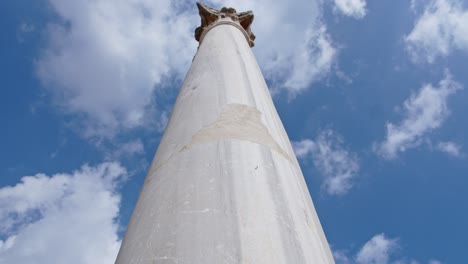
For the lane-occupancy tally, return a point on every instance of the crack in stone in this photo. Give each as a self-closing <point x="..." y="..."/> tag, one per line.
<point x="236" y="121"/>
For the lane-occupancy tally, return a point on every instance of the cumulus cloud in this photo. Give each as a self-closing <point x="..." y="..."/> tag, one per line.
<point x="63" y="218"/>
<point x="353" y="8"/>
<point x="442" y="27"/>
<point x="105" y="59"/>
<point x="377" y="250"/>
<point x="328" y="155"/>
<point x="380" y="249"/>
<point x="425" y="111"/>
<point x="293" y="47"/>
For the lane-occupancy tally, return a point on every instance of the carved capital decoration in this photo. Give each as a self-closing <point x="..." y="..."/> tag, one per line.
<point x="211" y="17"/>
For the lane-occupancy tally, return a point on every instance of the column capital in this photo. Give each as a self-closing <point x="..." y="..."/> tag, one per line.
<point x="211" y="18"/>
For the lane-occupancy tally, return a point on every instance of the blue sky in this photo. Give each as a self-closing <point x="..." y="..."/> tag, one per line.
<point x="372" y="94"/>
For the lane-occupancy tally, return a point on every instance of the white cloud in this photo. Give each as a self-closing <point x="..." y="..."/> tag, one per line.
<point x="292" y="47"/>
<point x="312" y="60"/>
<point x="63" y="218"/>
<point x="353" y="8"/>
<point x="442" y="27"/>
<point x="129" y="149"/>
<point x="337" y="165"/>
<point x="424" y="112"/>
<point x="105" y="59"/>
<point x="450" y="148"/>
<point x="133" y="147"/>
<point x="380" y="249"/>
<point x="377" y="250"/>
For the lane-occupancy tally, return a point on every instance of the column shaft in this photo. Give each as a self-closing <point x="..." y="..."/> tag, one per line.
<point x="225" y="185"/>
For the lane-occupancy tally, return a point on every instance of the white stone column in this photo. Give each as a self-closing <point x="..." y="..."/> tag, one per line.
<point x="224" y="185"/>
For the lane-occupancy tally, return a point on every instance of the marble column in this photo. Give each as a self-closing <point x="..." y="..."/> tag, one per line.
<point x="224" y="185"/>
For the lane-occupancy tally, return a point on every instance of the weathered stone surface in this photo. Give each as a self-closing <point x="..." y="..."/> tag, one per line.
<point x="224" y="185"/>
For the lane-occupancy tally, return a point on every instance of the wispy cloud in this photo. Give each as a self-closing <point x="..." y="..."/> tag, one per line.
<point x="424" y="111"/>
<point x="451" y="148"/>
<point x="353" y="8"/>
<point x="129" y="149"/>
<point x="441" y="28"/>
<point x="63" y="218"/>
<point x="335" y="163"/>
<point x="24" y="28"/>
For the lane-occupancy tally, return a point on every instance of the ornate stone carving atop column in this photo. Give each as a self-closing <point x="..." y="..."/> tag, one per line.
<point x="211" y="18"/>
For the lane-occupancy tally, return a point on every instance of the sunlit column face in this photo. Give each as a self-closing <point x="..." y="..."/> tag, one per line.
<point x="225" y="184"/>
